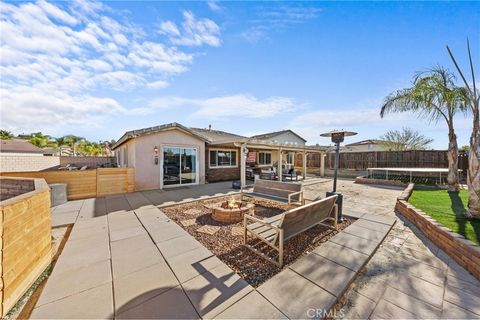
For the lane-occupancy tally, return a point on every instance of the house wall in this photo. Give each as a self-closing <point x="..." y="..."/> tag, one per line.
<point x="147" y="173"/>
<point x="364" y="148"/>
<point x="222" y="174"/>
<point x="287" y="138"/>
<point x="28" y="162"/>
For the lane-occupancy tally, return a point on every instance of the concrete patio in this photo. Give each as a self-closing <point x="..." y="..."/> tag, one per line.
<point x="125" y="259"/>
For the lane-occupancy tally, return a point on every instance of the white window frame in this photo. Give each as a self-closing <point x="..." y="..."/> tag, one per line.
<point x="224" y="150"/>
<point x="264" y="164"/>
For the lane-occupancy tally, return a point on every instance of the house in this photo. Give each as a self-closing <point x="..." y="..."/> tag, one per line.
<point x="20" y="155"/>
<point x="365" y="146"/>
<point x="173" y="155"/>
<point x="19" y="147"/>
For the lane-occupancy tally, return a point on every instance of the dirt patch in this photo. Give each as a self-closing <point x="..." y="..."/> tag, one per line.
<point x="227" y="242"/>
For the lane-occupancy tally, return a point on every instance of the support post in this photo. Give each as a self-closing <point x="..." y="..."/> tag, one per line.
<point x="279" y="165"/>
<point x="304" y="171"/>
<point x="243" y="167"/>
<point x="322" y="164"/>
<point x="337" y="163"/>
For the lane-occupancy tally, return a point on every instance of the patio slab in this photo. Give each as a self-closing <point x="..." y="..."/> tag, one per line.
<point x="419" y="289"/>
<point x="172" y="304"/>
<point x="372" y="235"/>
<point x="164" y="231"/>
<point x="125" y="233"/>
<point x="179" y="245"/>
<point x="64" y="284"/>
<point x="63" y="218"/>
<point x="387" y="310"/>
<point x="411" y="304"/>
<point x="95" y="303"/>
<point x="92" y="208"/>
<point x="138" y="287"/>
<point x="346" y="257"/>
<point x="215" y="290"/>
<point x="133" y="254"/>
<point x="294" y="295"/>
<point x="252" y="306"/>
<point x="324" y="273"/>
<point x="355" y="243"/>
<point x="192" y="263"/>
<point x="83" y="252"/>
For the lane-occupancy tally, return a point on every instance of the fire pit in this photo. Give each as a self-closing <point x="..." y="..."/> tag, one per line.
<point x="231" y="211"/>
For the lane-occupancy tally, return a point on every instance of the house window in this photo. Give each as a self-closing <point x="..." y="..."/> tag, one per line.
<point x="370" y="146"/>
<point x="223" y="158"/>
<point x="290" y="157"/>
<point x="264" y="158"/>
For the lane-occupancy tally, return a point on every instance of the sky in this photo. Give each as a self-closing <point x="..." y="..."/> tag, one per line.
<point x="98" y="69"/>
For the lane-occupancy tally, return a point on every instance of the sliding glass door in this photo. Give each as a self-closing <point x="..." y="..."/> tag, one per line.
<point x="179" y="166"/>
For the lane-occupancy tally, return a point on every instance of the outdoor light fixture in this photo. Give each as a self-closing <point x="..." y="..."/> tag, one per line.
<point x="337" y="136"/>
<point x="155" y="152"/>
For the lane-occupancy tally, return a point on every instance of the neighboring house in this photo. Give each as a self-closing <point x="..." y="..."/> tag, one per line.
<point x="287" y="137"/>
<point x="19" y="147"/>
<point x="364" y="146"/>
<point x="20" y="155"/>
<point x="173" y="155"/>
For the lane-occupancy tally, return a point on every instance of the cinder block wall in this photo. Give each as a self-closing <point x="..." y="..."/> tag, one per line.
<point x="17" y="163"/>
<point x="92" y="162"/>
<point x="25" y="230"/>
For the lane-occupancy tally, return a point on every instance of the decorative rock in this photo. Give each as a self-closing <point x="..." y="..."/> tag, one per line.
<point x="188" y="223"/>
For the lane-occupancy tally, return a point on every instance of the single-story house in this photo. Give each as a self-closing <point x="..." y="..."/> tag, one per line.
<point x="365" y="146"/>
<point x="19" y="147"/>
<point x="173" y="155"/>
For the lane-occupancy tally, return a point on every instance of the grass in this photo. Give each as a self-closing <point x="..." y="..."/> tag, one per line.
<point x="447" y="208"/>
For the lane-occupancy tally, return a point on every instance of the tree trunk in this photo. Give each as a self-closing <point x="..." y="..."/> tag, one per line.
<point x="473" y="180"/>
<point x="452" y="178"/>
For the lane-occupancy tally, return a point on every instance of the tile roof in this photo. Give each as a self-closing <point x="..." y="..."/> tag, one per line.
<point x="216" y="135"/>
<point x="18" y="146"/>
<point x="269" y="135"/>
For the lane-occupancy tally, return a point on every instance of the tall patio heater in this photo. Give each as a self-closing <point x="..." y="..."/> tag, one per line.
<point x="337" y="137"/>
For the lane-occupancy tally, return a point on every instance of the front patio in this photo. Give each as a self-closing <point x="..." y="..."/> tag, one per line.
<point x="125" y="258"/>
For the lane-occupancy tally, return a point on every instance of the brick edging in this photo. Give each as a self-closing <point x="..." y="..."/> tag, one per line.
<point x="463" y="251"/>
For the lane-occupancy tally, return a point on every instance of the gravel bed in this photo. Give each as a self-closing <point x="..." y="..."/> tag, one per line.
<point x="229" y="247"/>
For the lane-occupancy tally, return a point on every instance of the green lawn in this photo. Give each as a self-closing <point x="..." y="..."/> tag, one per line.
<point x="448" y="209"/>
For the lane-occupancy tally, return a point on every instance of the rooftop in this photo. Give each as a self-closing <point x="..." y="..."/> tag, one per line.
<point x="18" y="146"/>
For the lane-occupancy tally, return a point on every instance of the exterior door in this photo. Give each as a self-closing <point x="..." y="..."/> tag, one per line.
<point x="179" y="166"/>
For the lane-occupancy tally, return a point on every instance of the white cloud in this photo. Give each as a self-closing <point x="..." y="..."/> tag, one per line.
<point x="214" y="6"/>
<point x="194" y="32"/>
<point x="276" y="18"/>
<point x="160" y="84"/>
<point x="67" y="53"/>
<point x="233" y="106"/>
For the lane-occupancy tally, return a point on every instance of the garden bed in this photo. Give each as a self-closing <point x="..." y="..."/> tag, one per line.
<point x="227" y="240"/>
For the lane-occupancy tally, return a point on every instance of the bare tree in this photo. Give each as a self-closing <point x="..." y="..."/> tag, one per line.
<point x="406" y="139"/>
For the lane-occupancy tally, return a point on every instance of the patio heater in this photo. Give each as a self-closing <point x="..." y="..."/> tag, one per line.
<point x="337" y="136"/>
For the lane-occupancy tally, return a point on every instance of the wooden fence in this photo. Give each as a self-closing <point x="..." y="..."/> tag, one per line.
<point x="392" y="159"/>
<point x="86" y="183"/>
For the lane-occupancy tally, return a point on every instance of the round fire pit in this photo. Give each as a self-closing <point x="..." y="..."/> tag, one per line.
<point x="231" y="211"/>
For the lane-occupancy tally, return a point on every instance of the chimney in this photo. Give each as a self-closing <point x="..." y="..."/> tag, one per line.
<point x="209" y="127"/>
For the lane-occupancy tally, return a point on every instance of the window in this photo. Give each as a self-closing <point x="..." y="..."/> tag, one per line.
<point x="223" y="158"/>
<point x="264" y="158"/>
<point x="290" y="158"/>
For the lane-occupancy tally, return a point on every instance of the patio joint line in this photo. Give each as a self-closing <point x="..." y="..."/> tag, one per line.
<point x="255" y="289"/>
<point x="168" y="264"/>
<point x="313" y="283"/>
<point x="111" y="266"/>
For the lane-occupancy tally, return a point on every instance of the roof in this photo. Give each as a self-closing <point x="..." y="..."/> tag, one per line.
<point x="369" y="141"/>
<point x="216" y="135"/>
<point x="151" y="130"/>
<point x="18" y="146"/>
<point x="269" y="135"/>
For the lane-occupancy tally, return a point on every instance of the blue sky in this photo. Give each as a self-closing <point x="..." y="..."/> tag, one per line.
<point x="99" y="69"/>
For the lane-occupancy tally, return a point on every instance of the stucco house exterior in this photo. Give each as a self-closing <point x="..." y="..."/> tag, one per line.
<point x="175" y="155"/>
<point x="365" y="146"/>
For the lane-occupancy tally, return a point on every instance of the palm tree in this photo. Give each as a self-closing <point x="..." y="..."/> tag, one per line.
<point x="473" y="180"/>
<point x="62" y="141"/>
<point x="41" y="140"/>
<point x="6" y="135"/>
<point x="433" y="96"/>
<point x="73" y="141"/>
